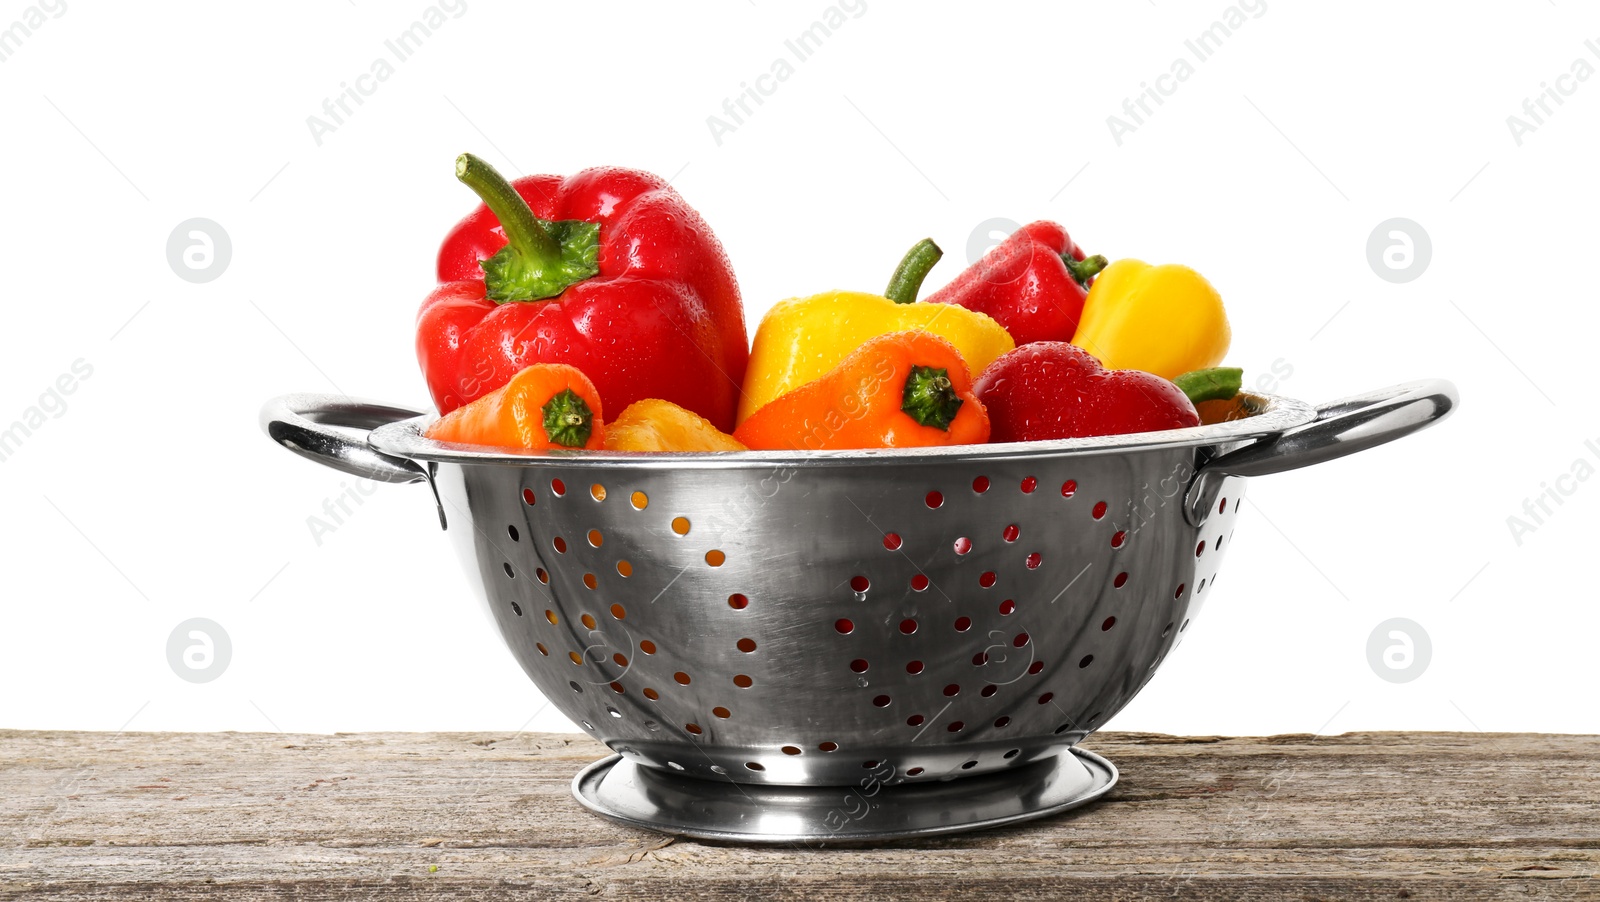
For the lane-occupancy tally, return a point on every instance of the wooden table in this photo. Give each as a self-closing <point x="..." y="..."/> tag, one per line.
<point x="236" y="816"/>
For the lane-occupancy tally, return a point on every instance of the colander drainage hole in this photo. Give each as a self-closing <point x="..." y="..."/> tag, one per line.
<point x="512" y="532"/>
<point x="722" y="712"/>
<point x="989" y="691"/>
<point x="981" y="484"/>
<point x="1085" y="661"/>
<point x="919" y="583"/>
<point x="891" y="541"/>
<point x="963" y="624"/>
<point x="1035" y="667"/>
<point x="791" y="750"/>
<point x="717" y="769"/>
<point x="828" y="747"/>
<point x="738" y="601"/>
<point x="869" y="765"/>
<point x="693" y="728"/>
<point x="1029" y="484"/>
<point x="1069" y="488"/>
<point x="969" y="765"/>
<point x="914" y="720"/>
<point x="1045" y="699"/>
<point x="913" y="667"/>
<point x="881" y="701"/>
<point x="1034" y="560"/>
<point x="860" y="583"/>
<point x="559" y="544"/>
<point x="516" y="608"/>
<point x="963" y="545"/>
<point x="914" y="772"/>
<point x="1010" y="533"/>
<point x="956" y="726"/>
<point x="859" y="665"/>
<point x="575" y="687"/>
<point x="1107" y="624"/>
<point x="613" y="711"/>
<point x="908" y="626"/>
<point x="747" y="645"/>
<point x="1120" y="581"/>
<point x="934" y="500"/>
<point x="527" y="496"/>
<point x="844" y="626"/>
<point x="754" y="766"/>
<point x="988" y="578"/>
<point x="1013" y="753"/>
<point x="1099" y="511"/>
<point x="510" y="574"/>
<point x="1165" y="630"/>
<point x="1007" y="607"/>
<point x="1000" y="722"/>
<point x="559" y="487"/>
<point x="1200" y="548"/>
<point x="674" y="765"/>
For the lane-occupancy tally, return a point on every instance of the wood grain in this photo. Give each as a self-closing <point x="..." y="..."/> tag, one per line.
<point x="245" y="816"/>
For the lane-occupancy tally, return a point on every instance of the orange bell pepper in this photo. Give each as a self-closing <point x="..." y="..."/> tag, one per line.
<point x="899" y="390"/>
<point x="655" y="425"/>
<point x="547" y="405"/>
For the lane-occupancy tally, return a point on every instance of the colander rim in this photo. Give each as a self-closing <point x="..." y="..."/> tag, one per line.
<point x="1276" y="414"/>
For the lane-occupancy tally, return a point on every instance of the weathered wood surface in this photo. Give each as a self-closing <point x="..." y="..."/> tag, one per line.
<point x="240" y="816"/>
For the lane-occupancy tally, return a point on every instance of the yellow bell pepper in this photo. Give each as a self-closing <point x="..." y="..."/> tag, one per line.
<point x="801" y="339"/>
<point x="654" y="425"/>
<point x="1166" y="319"/>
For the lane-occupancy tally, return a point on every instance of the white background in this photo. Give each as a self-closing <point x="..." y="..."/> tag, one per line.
<point x="154" y="497"/>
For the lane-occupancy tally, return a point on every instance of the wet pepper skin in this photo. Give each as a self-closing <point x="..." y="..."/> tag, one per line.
<point x="1034" y="284"/>
<point x="1052" y="389"/>
<point x="661" y="319"/>
<point x="899" y="390"/>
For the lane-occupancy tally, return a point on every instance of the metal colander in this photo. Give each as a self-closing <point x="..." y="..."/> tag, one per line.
<point x="749" y="628"/>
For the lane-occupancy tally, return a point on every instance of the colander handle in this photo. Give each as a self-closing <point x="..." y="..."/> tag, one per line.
<point x="331" y="430"/>
<point x="1342" y="427"/>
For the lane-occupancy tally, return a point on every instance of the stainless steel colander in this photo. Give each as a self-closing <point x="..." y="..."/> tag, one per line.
<point x="847" y="645"/>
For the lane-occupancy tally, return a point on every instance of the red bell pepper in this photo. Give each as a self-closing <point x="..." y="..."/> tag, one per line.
<point x="1033" y="283"/>
<point x="1052" y="389"/>
<point x="607" y="270"/>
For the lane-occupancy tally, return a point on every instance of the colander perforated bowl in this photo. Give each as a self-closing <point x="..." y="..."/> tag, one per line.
<point x="752" y="632"/>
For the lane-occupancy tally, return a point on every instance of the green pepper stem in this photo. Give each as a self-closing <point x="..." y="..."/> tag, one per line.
<point x="913" y="268"/>
<point x="568" y="421"/>
<point x="1084" y="270"/>
<point x="929" y="398"/>
<point x="1219" y="383"/>
<point x="524" y="231"/>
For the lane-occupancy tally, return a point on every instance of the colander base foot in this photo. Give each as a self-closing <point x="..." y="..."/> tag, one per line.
<point x="646" y="797"/>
